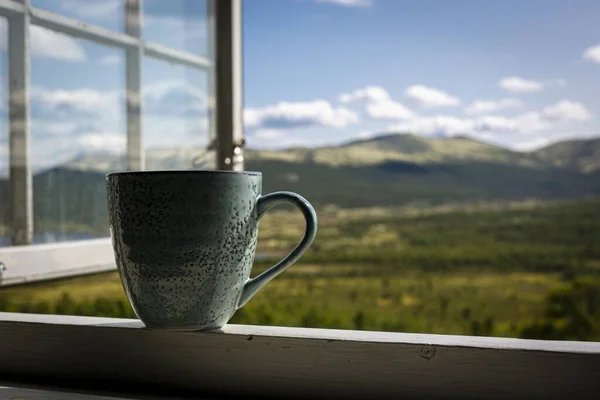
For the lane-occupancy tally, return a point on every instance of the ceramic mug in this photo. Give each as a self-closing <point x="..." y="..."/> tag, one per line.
<point x="184" y="243"/>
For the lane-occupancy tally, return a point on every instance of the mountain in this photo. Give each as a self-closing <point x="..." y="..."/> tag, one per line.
<point x="580" y="155"/>
<point x="400" y="147"/>
<point x="402" y="168"/>
<point x="387" y="170"/>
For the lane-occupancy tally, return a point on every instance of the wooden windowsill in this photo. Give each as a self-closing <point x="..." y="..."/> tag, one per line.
<point x="37" y="392"/>
<point x="293" y="362"/>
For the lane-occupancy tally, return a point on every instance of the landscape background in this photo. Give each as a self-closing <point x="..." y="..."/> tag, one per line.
<point x="447" y="235"/>
<point x="388" y="170"/>
<point x="451" y="149"/>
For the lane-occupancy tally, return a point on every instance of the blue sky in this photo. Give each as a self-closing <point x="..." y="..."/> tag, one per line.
<point x="509" y="72"/>
<point x="517" y="73"/>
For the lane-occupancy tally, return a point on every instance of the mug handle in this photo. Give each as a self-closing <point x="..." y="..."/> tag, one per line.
<point x="263" y="204"/>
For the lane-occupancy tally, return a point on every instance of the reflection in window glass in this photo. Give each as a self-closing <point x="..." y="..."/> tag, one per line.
<point x="180" y="24"/>
<point x="108" y="14"/>
<point x="175" y="117"/>
<point x="4" y="161"/>
<point x="78" y="134"/>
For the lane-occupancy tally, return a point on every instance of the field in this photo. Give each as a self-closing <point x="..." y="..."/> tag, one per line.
<point x="525" y="269"/>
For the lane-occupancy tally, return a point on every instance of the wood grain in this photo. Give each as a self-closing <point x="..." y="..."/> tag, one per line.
<point x="296" y="363"/>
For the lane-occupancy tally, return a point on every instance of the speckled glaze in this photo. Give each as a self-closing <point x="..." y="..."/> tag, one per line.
<point x="185" y="241"/>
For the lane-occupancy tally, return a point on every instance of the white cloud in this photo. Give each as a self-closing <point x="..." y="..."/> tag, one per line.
<point x="445" y="125"/>
<point x="52" y="127"/>
<point x="348" y="3"/>
<point x="50" y="44"/>
<point x="112" y="59"/>
<point x="178" y="95"/>
<point x="388" y="109"/>
<point x="172" y="98"/>
<point x="517" y="84"/>
<point x="68" y="122"/>
<point x="78" y="99"/>
<point x="566" y="110"/>
<point x="530" y="122"/>
<point x="174" y="131"/>
<point x="592" y="54"/>
<point x="488" y="106"/>
<point x="379" y="103"/>
<point x="428" y="97"/>
<point x="549" y="118"/>
<point x="298" y="114"/>
<point x="442" y="125"/>
<point x="494" y="123"/>
<point x="160" y="89"/>
<point x="365" y="135"/>
<point x="47" y="43"/>
<point x="369" y="93"/>
<point x="252" y="118"/>
<point x="102" y="141"/>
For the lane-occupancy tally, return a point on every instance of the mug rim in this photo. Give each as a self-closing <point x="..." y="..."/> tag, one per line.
<point x="184" y="172"/>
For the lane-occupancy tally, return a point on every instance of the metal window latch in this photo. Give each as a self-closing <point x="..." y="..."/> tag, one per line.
<point x="240" y="143"/>
<point x="199" y="159"/>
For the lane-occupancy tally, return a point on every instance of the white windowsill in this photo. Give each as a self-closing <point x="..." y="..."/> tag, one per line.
<point x="296" y="362"/>
<point x="40" y="262"/>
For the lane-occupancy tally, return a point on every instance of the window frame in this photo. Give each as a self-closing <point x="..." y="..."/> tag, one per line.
<point x="224" y="67"/>
<point x="284" y="362"/>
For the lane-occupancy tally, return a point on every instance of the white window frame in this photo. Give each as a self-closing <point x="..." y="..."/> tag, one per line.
<point x="225" y="121"/>
<point x="263" y="361"/>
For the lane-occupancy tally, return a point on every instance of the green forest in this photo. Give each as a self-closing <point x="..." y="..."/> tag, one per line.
<point x="522" y="269"/>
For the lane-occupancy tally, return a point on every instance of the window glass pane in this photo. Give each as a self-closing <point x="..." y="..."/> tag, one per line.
<point x="180" y="24"/>
<point x="454" y="164"/>
<point x="78" y="134"/>
<point x="175" y="117"/>
<point x="108" y="14"/>
<point x="4" y="160"/>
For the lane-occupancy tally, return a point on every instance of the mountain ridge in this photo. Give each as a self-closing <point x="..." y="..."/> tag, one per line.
<point x="392" y="170"/>
<point x="412" y="148"/>
<point x="581" y="154"/>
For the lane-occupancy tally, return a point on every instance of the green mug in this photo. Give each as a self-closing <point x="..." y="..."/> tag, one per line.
<point x="185" y="241"/>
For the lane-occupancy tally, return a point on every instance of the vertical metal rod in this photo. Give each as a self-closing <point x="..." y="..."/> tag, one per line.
<point x="228" y="84"/>
<point x="20" y="174"/>
<point x="133" y="86"/>
<point x="211" y="35"/>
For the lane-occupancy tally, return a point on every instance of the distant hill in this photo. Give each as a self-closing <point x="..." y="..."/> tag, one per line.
<point x="399" y="147"/>
<point x="580" y="155"/>
<point x="388" y="170"/>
